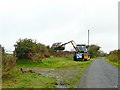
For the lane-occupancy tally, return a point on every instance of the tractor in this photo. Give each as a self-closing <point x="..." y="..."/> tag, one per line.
<point x="80" y="53"/>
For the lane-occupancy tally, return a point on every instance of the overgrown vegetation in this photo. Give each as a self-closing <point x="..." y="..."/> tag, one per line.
<point x="8" y="62"/>
<point x="30" y="54"/>
<point x="69" y="70"/>
<point x="94" y="51"/>
<point x="29" y="49"/>
<point x="114" y="57"/>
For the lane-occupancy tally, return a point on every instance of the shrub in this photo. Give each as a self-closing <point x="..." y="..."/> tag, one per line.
<point x="114" y="56"/>
<point x="66" y="54"/>
<point x="25" y="48"/>
<point x="29" y="49"/>
<point x="8" y="62"/>
<point x="94" y="50"/>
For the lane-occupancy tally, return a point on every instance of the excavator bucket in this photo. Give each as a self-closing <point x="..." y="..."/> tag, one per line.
<point x="58" y="46"/>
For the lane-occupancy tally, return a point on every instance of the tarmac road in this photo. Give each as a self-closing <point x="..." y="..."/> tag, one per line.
<point x="100" y="74"/>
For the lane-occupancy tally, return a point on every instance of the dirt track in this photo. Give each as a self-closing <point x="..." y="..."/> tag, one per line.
<point x="60" y="74"/>
<point x="100" y="74"/>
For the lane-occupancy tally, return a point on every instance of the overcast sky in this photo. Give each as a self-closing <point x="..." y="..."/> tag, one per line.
<point x="50" y="21"/>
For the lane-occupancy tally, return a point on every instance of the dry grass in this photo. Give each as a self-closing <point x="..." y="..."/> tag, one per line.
<point x="8" y="62"/>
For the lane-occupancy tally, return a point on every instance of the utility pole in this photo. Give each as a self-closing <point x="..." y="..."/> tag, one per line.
<point x="88" y="37"/>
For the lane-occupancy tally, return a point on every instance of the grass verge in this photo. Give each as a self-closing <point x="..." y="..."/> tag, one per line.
<point x="79" y="68"/>
<point x="117" y="64"/>
<point x="70" y="71"/>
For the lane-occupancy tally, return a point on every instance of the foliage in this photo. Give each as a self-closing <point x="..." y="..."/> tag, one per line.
<point x="114" y="56"/>
<point x="29" y="49"/>
<point x="94" y="51"/>
<point x="25" y="48"/>
<point x="102" y="54"/>
<point x="66" y="54"/>
<point x="8" y="62"/>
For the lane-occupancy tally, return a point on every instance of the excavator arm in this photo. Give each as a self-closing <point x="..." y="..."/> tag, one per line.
<point x="57" y="46"/>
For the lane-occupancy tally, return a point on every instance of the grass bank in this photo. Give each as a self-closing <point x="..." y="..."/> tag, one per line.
<point x="65" y="73"/>
<point x="114" y="58"/>
<point x="117" y="64"/>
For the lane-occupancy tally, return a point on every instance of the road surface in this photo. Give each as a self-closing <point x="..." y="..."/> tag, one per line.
<point x="100" y="74"/>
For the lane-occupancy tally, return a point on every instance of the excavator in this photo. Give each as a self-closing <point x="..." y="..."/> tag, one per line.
<point x="80" y="53"/>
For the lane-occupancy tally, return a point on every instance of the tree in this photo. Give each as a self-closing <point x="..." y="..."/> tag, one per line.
<point x="25" y="48"/>
<point x="29" y="49"/>
<point x="94" y="50"/>
<point x="102" y="53"/>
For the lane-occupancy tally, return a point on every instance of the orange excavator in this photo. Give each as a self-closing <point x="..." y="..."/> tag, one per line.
<point x="80" y="53"/>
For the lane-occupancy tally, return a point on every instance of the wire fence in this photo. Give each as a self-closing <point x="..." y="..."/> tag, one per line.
<point x="9" y="52"/>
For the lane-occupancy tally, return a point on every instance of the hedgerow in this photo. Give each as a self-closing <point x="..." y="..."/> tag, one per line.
<point x="30" y="49"/>
<point x="114" y="56"/>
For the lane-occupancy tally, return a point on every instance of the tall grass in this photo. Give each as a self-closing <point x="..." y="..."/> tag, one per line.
<point x="8" y="62"/>
<point x="114" y="56"/>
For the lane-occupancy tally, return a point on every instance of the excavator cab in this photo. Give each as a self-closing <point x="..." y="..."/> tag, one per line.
<point x="82" y="54"/>
<point x="82" y="47"/>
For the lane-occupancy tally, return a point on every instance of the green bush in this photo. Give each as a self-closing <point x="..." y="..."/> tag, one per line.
<point x="29" y="49"/>
<point x="25" y="48"/>
<point x="94" y="51"/>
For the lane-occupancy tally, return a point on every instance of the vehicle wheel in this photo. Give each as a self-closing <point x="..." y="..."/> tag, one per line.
<point x="85" y="59"/>
<point x="75" y="59"/>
